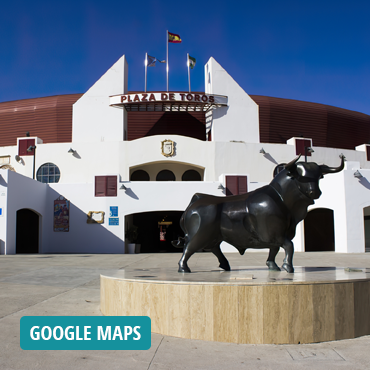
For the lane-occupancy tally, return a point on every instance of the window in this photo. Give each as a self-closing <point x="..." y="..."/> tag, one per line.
<point x="105" y="186"/>
<point x="166" y="175"/>
<point x="236" y="185"/>
<point x="23" y="145"/>
<point x="48" y="173"/>
<point x="300" y="145"/>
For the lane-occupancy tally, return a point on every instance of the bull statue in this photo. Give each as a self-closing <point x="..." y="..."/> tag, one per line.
<point x="264" y="218"/>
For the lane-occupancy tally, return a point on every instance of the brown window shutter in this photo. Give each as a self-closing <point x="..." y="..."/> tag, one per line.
<point x="100" y="186"/>
<point x="236" y="185"/>
<point x="368" y="153"/>
<point x="242" y="184"/>
<point x="300" y="144"/>
<point x="111" y="186"/>
<point x="231" y="185"/>
<point x="23" y="145"/>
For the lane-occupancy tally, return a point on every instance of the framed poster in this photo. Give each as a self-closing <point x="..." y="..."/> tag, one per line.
<point x="61" y="215"/>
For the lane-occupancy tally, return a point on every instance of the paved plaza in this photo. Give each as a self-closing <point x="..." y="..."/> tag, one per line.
<point x="51" y="285"/>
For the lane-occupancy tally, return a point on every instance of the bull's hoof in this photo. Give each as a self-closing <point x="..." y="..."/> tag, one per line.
<point x="288" y="268"/>
<point x="272" y="266"/>
<point x="225" y="266"/>
<point x="183" y="269"/>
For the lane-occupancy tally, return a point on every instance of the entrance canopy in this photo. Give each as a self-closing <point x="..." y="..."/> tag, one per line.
<point x="167" y="101"/>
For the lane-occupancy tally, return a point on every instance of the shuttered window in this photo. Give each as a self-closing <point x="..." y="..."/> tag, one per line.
<point x="23" y="145"/>
<point x="368" y="153"/>
<point x="236" y="185"/>
<point x="300" y="144"/>
<point x="105" y="186"/>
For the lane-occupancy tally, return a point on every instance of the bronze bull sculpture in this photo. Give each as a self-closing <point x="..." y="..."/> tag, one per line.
<point x="264" y="218"/>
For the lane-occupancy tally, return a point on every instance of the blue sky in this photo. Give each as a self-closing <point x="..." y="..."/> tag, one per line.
<point x="316" y="51"/>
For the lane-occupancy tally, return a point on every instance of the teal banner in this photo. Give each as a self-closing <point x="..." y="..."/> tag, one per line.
<point x="85" y="332"/>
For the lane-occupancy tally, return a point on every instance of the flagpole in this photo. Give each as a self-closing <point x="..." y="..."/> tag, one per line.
<point x="167" y="58"/>
<point x="146" y="68"/>
<point x="188" y="72"/>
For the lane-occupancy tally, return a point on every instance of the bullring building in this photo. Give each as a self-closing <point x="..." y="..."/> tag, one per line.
<point x="112" y="170"/>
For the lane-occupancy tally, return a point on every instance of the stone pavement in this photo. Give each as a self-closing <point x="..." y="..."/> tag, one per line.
<point x="69" y="285"/>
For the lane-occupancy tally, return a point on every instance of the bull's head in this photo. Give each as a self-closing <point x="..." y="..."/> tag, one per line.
<point x="307" y="175"/>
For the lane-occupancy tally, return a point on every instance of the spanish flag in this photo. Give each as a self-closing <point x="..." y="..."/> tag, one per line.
<point x="172" y="37"/>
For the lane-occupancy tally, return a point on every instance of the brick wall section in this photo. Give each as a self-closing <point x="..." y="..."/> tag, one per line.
<point x="331" y="127"/>
<point x="49" y="118"/>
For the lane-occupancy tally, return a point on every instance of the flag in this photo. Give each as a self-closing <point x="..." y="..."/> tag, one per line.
<point x="172" y="37"/>
<point x="192" y="62"/>
<point x="152" y="60"/>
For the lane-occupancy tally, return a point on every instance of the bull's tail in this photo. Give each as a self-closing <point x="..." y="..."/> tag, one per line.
<point x="179" y="243"/>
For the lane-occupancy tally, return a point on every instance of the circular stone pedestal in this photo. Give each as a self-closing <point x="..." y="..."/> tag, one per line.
<point x="245" y="305"/>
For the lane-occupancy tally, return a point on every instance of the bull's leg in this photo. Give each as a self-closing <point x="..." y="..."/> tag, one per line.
<point x="188" y="252"/>
<point x="288" y="260"/>
<point x="224" y="263"/>
<point x="271" y="259"/>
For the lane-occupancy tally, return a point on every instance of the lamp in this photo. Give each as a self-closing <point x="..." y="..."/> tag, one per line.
<point x="17" y="158"/>
<point x="123" y="187"/>
<point x="71" y="151"/>
<point x="30" y="149"/>
<point x="358" y="174"/>
<point x="221" y="187"/>
<point x="262" y="151"/>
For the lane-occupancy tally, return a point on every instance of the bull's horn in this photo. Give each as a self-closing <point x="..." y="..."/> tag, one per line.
<point x="289" y="165"/>
<point x="326" y="169"/>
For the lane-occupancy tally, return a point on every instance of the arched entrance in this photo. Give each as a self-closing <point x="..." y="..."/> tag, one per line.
<point x="156" y="230"/>
<point x="319" y="230"/>
<point x="27" y="232"/>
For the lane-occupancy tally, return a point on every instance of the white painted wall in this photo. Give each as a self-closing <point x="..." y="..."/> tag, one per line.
<point x="21" y="192"/>
<point x="98" y="132"/>
<point x="239" y="120"/>
<point x="93" y="119"/>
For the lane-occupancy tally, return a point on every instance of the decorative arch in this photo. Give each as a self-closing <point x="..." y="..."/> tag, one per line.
<point x="165" y="175"/>
<point x="140" y="175"/>
<point x="319" y="230"/>
<point x="179" y="169"/>
<point x="191" y="175"/>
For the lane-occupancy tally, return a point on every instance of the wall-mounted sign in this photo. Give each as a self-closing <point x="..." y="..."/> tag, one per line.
<point x="61" y="215"/>
<point x="173" y="98"/>
<point x="95" y="217"/>
<point x="4" y="159"/>
<point x="1" y="212"/>
<point x="113" y="221"/>
<point x="168" y="148"/>
<point x="113" y="211"/>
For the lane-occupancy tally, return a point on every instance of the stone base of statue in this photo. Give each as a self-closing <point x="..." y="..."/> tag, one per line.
<point x="245" y="305"/>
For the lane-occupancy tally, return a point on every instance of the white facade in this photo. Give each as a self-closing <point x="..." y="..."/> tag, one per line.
<point x="100" y="149"/>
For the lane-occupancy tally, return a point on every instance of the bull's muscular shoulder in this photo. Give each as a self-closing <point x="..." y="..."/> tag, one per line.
<point x="266" y="199"/>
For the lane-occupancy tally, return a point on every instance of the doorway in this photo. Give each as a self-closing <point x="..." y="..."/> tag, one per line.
<point x="157" y="229"/>
<point x="27" y="231"/>
<point x="319" y="230"/>
<point x="367" y="228"/>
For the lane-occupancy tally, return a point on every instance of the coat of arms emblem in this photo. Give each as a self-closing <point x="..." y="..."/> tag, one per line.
<point x="168" y="148"/>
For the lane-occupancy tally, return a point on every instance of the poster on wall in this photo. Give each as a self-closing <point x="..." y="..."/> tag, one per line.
<point x="61" y="215"/>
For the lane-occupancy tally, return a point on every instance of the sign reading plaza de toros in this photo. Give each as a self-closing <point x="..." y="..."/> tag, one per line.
<point x="168" y="97"/>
